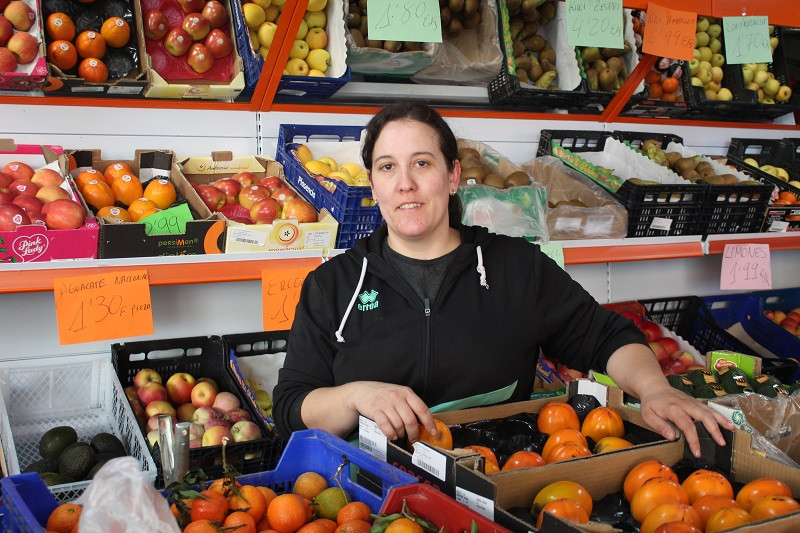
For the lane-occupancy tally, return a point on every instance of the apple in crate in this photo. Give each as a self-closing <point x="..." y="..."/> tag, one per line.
<point x="6" y="31"/>
<point x="16" y="170"/>
<point x="177" y="42"/>
<point x="185" y="412"/>
<point x="218" y="43"/>
<point x="47" y="176"/>
<point x="273" y="183"/>
<point x="251" y="194"/>
<point x="299" y="210"/>
<point x="37" y="218"/>
<point x="217" y="422"/>
<point x="49" y="193"/>
<point x="226" y="401"/>
<point x="209" y="380"/>
<point x="8" y="61"/>
<point x="200" y="58"/>
<point x="64" y="214"/>
<point x="213" y="436"/>
<point x="245" y="178"/>
<point x="196" y="26"/>
<point x="159" y="407"/>
<point x="196" y="435"/>
<point x="30" y="204"/>
<point x="214" y="198"/>
<point x="156" y="25"/>
<point x="145" y="376"/>
<point x="659" y="350"/>
<point x="204" y="394"/>
<point x="152" y="438"/>
<point x="283" y="195"/>
<point x="214" y="12"/>
<point x="245" y="430"/>
<point x="230" y="187"/>
<point x="7" y="195"/>
<point x="265" y="209"/>
<point x="191" y="6"/>
<point x="23" y="186"/>
<point x="179" y="387"/>
<point x="205" y="413"/>
<point x="650" y="329"/>
<point x="12" y="216"/>
<point x="5" y="179"/>
<point x="237" y="414"/>
<point x="24" y="46"/>
<point x="151" y="392"/>
<point x="20" y="15"/>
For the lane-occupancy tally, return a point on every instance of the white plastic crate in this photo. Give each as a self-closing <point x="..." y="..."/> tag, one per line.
<point x="79" y="391"/>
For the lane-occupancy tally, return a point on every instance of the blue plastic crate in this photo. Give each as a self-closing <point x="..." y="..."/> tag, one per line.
<point x="27" y="503"/>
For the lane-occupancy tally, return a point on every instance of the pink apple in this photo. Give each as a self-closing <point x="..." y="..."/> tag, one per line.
<point x="159" y="407"/>
<point x="5" y="179"/>
<point x="177" y="42"/>
<point x="218" y="43"/>
<point x="245" y="430"/>
<point x="205" y="413"/>
<point x="196" y="435"/>
<point x="230" y="187"/>
<point x="191" y="6"/>
<point x="669" y="344"/>
<point x="12" y="216"/>
<point x="185" y="412"/>
<point x="152" y="438"/>
<point x="47" y="176"/>
<point x="146" y="376"/>
<point x="7" y="195"/>
<point x="217" y="422"/>
<point x="659" y="350"/>
<point x="8" y="61"/>
<point x="6" y="31"/>
<point x="195" y="25"/>
<point x="214" y="12"/>
<point x="213" y="198"/>
<point x="237" y="414"/>
<point x="283" y="195"/>
<point x="203" y="394"/>
<point x="28" y="203"/>
<point x="266" y="208"/>
<point x="214" y="436"/>
<point x="273" y="183"/>
<point x="64" y="214"/>
<point x="151" y="392"/>
<point x="250" y="194"/>
<point x="650" y="329"/>
<point x="672" y="366"/>
<point x="200" y="58"/>
<point x="299" y="210"/>
<point x="226" y="401"/>
<point x="17" y="170"/>
<point x="49" y="193"/>
<point x="156" y="25"/>
<point x="23" y="186"/>
<point x="20" y="15"/>
<point x="684" y="357"/>
<point x="245" y="178"/>
<point x="37" y="218"/>
<point x="209" y="380"/>
<point x="24" y="46"/>
<point x="179" y="387"/>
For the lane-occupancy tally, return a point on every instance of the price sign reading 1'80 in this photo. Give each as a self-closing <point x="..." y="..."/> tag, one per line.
<point x="405" y="20"/>
<point x="595" y="23"/>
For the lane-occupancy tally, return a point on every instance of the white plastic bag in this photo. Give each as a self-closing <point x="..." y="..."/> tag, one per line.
<point x="120" y="500"/>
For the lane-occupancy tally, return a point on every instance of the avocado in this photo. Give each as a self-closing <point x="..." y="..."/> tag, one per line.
<point x="108" y="443"/>
<point x="54" y="478"/>
<point x="77" y="460"/>
<point x="42" y="465"/>
<point x="772" y="389"/>
<point x="709" y="390"/>
<point x="56" y="440"/>
<point x="701" y="377"/>
<point x="734" y="380"/>
<point x="682" y="383"/>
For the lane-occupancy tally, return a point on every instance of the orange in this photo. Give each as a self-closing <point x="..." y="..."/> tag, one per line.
<point x="93" y="70"/>
<point x="315" y="527"/>
<point x="90" y="44"/>
<point x="656" y="91"/>
<point x="86" y="176"/>
<point x="116" y="32"/>
<point x="60" y="27"/>
<point x="214" y="507"/>
<point x="309" y="484"/>
<point x="787" y="195"/>
<point x="354" y="511"/>
<point x="221" y="485"/>
<point x="669" y="97"/>
<point x="62" y="54"/>
<point x="251" y="502"/>
<point x="64" y="518"/>
<point x="401" y="525"/>
<point x="201" y="526"/>
<point x="112" y="172"/>
<point x="268" y="494"/>
<point x="161" y="192"/>
<point x="137" y="211"/>
<point x="652" y="77"/>
<point x="241" y="521"/>
<point x="127" y="189"/>
<point x="286" y="513"/>
<point x="98" y="194"/>
<point x="670" y="85"/>
<point x="117" y="213"/>
<point x="330" y="525"/>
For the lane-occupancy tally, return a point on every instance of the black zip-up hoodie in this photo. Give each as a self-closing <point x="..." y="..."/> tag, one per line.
<point x="501" y="301"/>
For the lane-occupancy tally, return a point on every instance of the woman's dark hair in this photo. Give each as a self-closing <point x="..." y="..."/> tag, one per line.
<point x="418" y="112"/>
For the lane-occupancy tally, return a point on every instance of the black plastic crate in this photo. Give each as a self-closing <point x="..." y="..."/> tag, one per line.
<point x="200" y="357"/>
<point x="644" y="106"/>
<point x="690" y="319"/>
<point x="637" y="138"/>
<point x="766" y="151"/>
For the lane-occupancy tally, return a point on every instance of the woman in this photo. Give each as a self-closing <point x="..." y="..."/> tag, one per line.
<point x="429" y="312"/>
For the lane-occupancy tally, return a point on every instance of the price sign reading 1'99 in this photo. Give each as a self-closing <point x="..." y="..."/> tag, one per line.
<point x="405" y="20"/>
<point x="103" y="306"/>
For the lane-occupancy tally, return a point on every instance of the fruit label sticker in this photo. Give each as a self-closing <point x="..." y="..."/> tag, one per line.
<point x="280" y="290"/>
<point x="370" y="438"/>
<point x="669" y="32"/>
<point x="746" y="40"/>
<point x="595" y="23"/>
<point x="408" y="20"/>
<point x="95" y="307"/>
<point x="746" y="266"/>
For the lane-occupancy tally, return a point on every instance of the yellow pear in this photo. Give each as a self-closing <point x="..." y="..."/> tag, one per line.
<point x="316" y="166"/>
<point x="352" y="168"/>
<point x="331" y="162"/>
<point x="254" y="15"/>
<point x="303" y="154"/>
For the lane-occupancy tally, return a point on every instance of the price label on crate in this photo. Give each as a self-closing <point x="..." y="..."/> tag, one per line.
<point x="746" y="40"/>
<point x="111" y="305"/>
<point x="280" y="290"/>
<point x="405" y="20"/>
<point x="595" y="23"/>
<point x="669" y="32"/>
<point x="746" y="266"/>
<point x="170" y="221"/>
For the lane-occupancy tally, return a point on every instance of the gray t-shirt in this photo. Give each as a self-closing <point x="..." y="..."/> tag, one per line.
<point x="424" y="276"/>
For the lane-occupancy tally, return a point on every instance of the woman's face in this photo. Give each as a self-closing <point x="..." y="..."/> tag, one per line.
<point x="410" y="180"/>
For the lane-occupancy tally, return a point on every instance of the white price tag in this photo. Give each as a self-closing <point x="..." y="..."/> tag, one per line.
<point x="661" y="223"/>
<point x="371" y="439"/>
<point x="778" y="226"/>
<point x="247" y="236"/>
<point x="430" y="460"/>
<point x="479" y="504"/>
<point x="317" y="239"/>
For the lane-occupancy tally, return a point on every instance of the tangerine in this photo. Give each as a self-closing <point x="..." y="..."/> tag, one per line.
<point x="669" y="97"/>
<point x="309" y="484"/>
<point x="60" y="27"/>
<point x="116" y="32"/>
<point x="127" y="189"/>
<point x="137" y="211"/>
<point x="201" y="526"/>
<point x="64" y="518"/>
<point x="315" y="527"/>
<point x="353" y="511"/>
<point x="62" y="54"/>
<point x="287" y="513"/>
<point x="241" y="521"/>
<point x="656" y="91"/>
<point x="330" y="525"/>
<point x="221" y="485"/>
<point x="401" y="525"/>
<point x="212" y="507"/>
<point x="112" y="172"/>
<point x="250" y="500"/>
<point x="93" y="70"/>
<point x="268" y="494"/>
<point x="90" y="44"/>
<point x="98" y="194"/>
<point x="117" y="213"/>
<point x="162" y="193"/>
<point x="653" y="76"/>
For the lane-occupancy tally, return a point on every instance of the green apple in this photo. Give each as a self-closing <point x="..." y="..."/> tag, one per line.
<point x="272" y="13"/>
<point x="716" y="74"/>
<point x="771" y="87"/>
<point x="253" y="15"/>
<point x="316" y="38"/>
<point x="795" y="183"/>
<point x="769" y="169"/>
<point x="696" y="54"/>
<point x="715" y="45"/>
<point x="752" y="86"/>
<point x="299" y="50"/>
<point x="302" y="30"/>
<point x="783" y="94"/>
<point x="315" y="19"/>
<point x="714" y="30"/>
<point x="266" y="32"/>
<point x="705" y="65"/>
<point x="701" y="39"/>
<point x="710" y="95"/>
<point x="316" y="73"/>
<point x="264" y="4"/>
<point x="319" y="59"/>
<point x="714" y="86"/>
<point x="704" y="76"/>
<point x="702" y="24"/>
<point x="316" y="5"/>
<point x="705" y="53"/>
<point x="773" y="43"/>
<point x="696" y="82"/>
<point x="694" y="66"/>
<point x="724" y="94"/>
<point x="297" y="67"/>
<point x="717" y="60"/>
<point x="761" y="67"/>
<point x="760" y="77"/>
<point x="747" y="74"/>
<point x="767" y="100"/>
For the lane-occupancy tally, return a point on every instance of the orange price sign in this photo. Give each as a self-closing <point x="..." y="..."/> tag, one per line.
<point x="669" y="32"/>
<point x="104" y="306"/>
<point x="280" y="290"/>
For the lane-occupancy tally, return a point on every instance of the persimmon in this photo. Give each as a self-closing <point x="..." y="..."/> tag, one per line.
<point x="484" y="451"/>
<point x="60" y="27"/>
<point x="708" y="505"/>
<point x="555" y="416"/>
<point x="603" y="422"/>
<point x="117" y="170"/>
<point x="773" y="506"/>
<point x="610" y="444"/>
<point x="564" y="489"/>
<point x="678" y="527"/>
<point x="86" y="176"/>
<point x="62" y="54"/>
<point x="523" y="459"/>
<point x="161" y="192"/>
<point x="706" y="483"/>
<point x="566" y="451"/>
<point x="117" y="213"/>
<point x="563" y="435"/>
<point x="141" y="208"/>
<point x="669" y="512"/>
<point x="758" y="489"/>
<point x="98" y="194"/>
<point x="90" y="44"/>
<point x="644" y="471"/>
<point x="654" y="492"/>
<point x="565" y="509"/>
<point x="127" y="189"/>
<point x="116" y="32"/>
<point x="93" y="70"/>
<point x="727" y="518"/>
<point x="443" y="438"/>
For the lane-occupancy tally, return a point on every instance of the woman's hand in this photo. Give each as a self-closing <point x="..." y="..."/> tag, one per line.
<point x="394" y="408"/>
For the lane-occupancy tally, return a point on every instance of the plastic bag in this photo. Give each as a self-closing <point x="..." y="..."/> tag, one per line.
<point x="518" y="211"/>
<point x="120" y="500"/>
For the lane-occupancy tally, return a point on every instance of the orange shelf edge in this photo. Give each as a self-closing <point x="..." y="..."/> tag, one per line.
<point x="782" y="241"/>
<point x="582" y="255"/>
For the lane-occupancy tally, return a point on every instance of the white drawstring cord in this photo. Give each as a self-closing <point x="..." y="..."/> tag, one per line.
<point x="339" y="337"/>
<point x="481" y="270"/>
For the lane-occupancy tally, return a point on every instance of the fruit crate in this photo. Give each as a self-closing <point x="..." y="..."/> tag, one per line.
<point x="27" y="503"/>
<point x="679" y="203"/>
<point x="436" y="507"/>
<point x="637" y="138"/>
<point x="79" y="391"/>
<point x="727" y="210"/>
<point x="200" y="357"/>
<point x="690" y="319"/>
<point x="780" y="152"/>
<point x="344" y="203"/>
<point x="335" y="460"/>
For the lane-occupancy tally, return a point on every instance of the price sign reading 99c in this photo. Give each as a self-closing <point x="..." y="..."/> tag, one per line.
<point x="595" y="23"/>
<point x="110" y="305"/>
<point x="405" y="20"/>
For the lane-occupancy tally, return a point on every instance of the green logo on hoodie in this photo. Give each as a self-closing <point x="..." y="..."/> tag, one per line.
<point x="368" y="300"/>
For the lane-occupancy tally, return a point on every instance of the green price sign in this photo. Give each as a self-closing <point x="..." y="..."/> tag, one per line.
<point x="170" y="221"/>
<point x="746" y="40"/>
<point x="595" y="23"/>
<point x="405" y="20"/>
<point x="554" y="251"/>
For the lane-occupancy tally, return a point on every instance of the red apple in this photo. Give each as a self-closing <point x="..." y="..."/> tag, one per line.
<point x="185" y="412"/>
<point x="226" y="401"/>
<point x="283" y="195"/>
<point x="47" y="176"/>
<point x="4" y="3"/>
<point x="209" y="380"/>
<point x="650" y="329"/>
<point x="215" y="435"/>
<point x="179" y="387"/>
<point x="218" y="43"/>
<point x="48" y="193"/>
<point x="146" y="376"/>
<point x="245" y="430"/>
<point x="150" y="393"/>
<point x="299" y="210"/>
<point x="7" y="195"/>
<point x="203" y="394"/>
<point x="37" y="218"/>
<point x="273" y="183"/>
<point x="152" y="436"/>
<point x="23" y="186"/>
<point x="672" y="366"/>
<point x="217" y="422"/>
<point x="245" y="220"/>
<point x="214" y="12"/>
<point x="632" y="316"/>
<point x="669" y="344"/>
<point x="249" y="195"/>
<point x="177" y="42"/>
<point x="130" y="393"/>
<point x="156" y="25"/>
<point x="159" y="407"/>
<point x="17" y="170"/>
<point x="204" y="413"/>
<point x="230" y="187"/>
<point x="212" y="197"/>
<point x="12" y="216"/>
<point x="191" y="6"/>
<point x="196" y="435"/>
<point x="245" y="178"/>
<point x="24" y="46"/>
<point x="200" y="58"/>
<point x="195" y="25"/>
<point x="684" y="357"/>
<point x="239" y="413"/>
<point x="6" y="31"/>
<point x="20" y="15"/>
<point x="266" y="208"/>
<point x="28" y="203"/>
<point x="5" y="179"/>
<point x="64" y="214"/>
<point x="8" y="61"/>
<point x="659" y="350"/>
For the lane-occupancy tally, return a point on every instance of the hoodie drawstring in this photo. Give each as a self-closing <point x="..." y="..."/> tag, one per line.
<point x="339" y="337"/>
<point x="481" y="270"/>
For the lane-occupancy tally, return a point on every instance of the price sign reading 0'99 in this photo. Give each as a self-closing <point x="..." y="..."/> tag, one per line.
<point x="405" y="20"/>
<point x="104" y="306"/>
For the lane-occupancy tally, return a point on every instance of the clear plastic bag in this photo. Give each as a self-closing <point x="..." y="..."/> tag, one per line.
<point x="517" y="211"/>
<point x="120" y="500"/>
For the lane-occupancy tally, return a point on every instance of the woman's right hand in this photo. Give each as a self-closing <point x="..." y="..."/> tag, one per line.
<point x="396" y="409"/>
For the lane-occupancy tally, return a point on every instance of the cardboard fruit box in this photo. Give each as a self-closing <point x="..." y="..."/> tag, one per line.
<point x="185" y="228"/>
<point x="29" y="76"/>
<point x="282" y="234"/>
<point x="36" y="243"/>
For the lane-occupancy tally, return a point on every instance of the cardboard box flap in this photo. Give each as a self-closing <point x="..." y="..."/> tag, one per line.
<point x="225" y="164"/>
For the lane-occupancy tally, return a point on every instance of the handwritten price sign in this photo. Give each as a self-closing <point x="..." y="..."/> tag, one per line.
<point x="170" y="221"/>
<point x="280" y="290"/>
<point x="409" y="20"/>
<point x="746" y="40"/>
<point x="746" y="266"/>
<point x="105" y="306"/>
<point x="595" y="23"/>
<point x="669" y="32"/>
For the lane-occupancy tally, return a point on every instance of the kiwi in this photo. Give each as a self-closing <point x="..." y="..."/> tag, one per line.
<point x="455" y="28"/>
<point x="493" y="180"/>
<point x="392" y="46"/>
<point x="372" y="43"/>
<point x="353" y="19"/>
<point x="517" y="178"/>
<point x="455" y="5"/>
<point x="358" y="38"/>
<point x="364" y="28"/>
<point x="473" y="172"/>
<point x="465" y="152"/>
<point x="472" y="22"/>
<point x="470" y="8"/>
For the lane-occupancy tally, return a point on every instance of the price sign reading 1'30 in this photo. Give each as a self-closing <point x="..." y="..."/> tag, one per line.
<point x="105" y="306"/>
<point x="405" y="20"/>
<point x="595" y="23"/>
<point x="746" y="266"/>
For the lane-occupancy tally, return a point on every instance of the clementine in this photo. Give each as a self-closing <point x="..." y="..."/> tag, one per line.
<point x="116" y="32"/>
<point x="286" y="513"/>
<point x="161" y="192"/>
<point x="354" y="511"/>
<point x="64" y="518"/>
<point x="401" y="525"/>
<point x="90" y="44"/>
<point x="213" y="507"/>
<point x="250" y="500"/>
<point x="201" y="526"/>
<point x="60" y="27"/>
<point x="241" y="522"/>
<point x="309" y="484"/>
